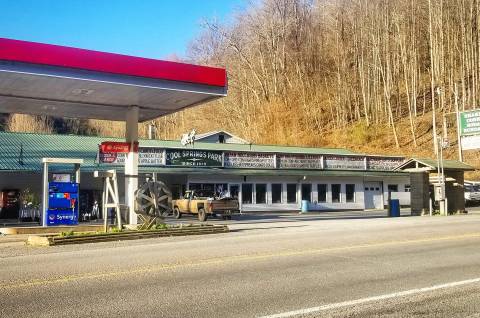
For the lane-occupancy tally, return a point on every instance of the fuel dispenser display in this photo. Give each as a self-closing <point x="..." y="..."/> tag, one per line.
<point x="62" y="203"/>
<point x="60" y="197"/>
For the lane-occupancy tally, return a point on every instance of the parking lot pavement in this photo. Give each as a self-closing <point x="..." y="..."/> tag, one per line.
<point x="290" y="216"/>
<point x="268" y="264"/>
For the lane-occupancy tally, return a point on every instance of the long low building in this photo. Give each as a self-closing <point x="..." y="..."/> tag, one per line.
<point x="263" y="177"/>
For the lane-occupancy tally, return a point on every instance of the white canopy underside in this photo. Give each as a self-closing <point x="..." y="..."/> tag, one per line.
<point x="65" y="92"/>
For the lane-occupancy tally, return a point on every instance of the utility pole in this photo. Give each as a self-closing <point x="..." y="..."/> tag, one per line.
<point x="459" y="137"/>
<point x="432" y="79"/>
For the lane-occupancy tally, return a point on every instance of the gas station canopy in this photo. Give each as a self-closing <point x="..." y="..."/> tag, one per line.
<point x="61" y="81"/>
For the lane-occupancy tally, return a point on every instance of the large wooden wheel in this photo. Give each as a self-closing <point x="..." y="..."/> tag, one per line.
<point x="153" y="199"/>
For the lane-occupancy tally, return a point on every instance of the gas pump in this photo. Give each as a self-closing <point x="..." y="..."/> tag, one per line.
<point x="60" y="199"/>
<point x="62" y="203"/>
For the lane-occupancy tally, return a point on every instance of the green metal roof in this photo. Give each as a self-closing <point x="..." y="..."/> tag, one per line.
<point x="24" y="151"/>
<point x="432" y="164"/>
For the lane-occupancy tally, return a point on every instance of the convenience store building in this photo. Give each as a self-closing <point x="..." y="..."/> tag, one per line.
<point x="263" y="177"/>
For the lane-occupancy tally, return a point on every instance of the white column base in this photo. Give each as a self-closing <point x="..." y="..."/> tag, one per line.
<point x="131" y="164"/>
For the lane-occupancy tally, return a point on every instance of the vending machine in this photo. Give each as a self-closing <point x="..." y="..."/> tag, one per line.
<point x="62" y="203"/>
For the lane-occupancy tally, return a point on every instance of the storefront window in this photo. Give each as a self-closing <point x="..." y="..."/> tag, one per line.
<point x="322" y="192"/>
<point x="291" y="193"/>
<point x="195" y="186"/>
<point x="234" y="188"/>
<point x="307" y="192"/>
<point x="277" y="193"/>
<point x="350" y="192"/>
<point x="221" y="189"/>
<point x="393" y="188"/>
<point x="336" y="192"/>
<point x="261" y="193"/>
<point x="247" y="193"/>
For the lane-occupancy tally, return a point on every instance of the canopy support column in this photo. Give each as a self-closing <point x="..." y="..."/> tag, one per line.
<point x="131" y="163"/>
<point x="44" y="194"/>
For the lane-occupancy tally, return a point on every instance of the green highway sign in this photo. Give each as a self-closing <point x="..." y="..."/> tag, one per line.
<point x="470" y="122"/>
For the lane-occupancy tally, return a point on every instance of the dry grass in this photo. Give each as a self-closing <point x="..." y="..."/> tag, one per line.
<point x="29" y="123"/>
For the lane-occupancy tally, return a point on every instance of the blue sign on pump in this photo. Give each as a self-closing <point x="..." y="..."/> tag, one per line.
<point x="62" y="203"/>
<point x="61" y="217"/>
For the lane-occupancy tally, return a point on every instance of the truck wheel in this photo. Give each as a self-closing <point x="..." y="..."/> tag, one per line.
<point x="202" y="216"/>
<point x="176" y="213"/>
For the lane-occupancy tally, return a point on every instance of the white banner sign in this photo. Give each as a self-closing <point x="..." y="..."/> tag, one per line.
<point x="379" y="163"/>
<point x="471" y="142"/>
<point x="344" y="162"/>
<point x="146" y="157"/>
<point x="249" y="160"/>
<point x="300" y="162"/>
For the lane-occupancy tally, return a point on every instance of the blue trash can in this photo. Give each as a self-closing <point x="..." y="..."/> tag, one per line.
<point x="394" y="208"/>
<point x="305" y="205"/>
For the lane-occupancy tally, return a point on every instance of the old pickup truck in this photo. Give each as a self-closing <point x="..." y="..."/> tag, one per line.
<point x="204" y="203"/>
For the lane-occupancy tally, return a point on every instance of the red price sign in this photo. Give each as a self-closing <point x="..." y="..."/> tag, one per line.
<point x="117" y="147"/>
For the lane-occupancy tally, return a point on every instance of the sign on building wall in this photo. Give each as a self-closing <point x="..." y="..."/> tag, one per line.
<point x="193" y="158"/>
<point x="344" y="162"/>
<point x="152" y="156"/>
<point x="249" y="160"/>
<point x="470" y="123"/>
<point x="147" y="156"/>
<point x="379" y="163"/>
<point x="299" y="161"/>
<point x="118" y="147"/>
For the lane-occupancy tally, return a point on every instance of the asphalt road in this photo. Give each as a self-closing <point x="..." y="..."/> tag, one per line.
<point x="333" y="265"/>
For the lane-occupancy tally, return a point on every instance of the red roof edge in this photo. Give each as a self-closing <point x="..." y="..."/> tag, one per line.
<point x="62" y="56"/>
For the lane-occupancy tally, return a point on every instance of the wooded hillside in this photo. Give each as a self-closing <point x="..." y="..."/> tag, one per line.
<point x="371" y="75"/>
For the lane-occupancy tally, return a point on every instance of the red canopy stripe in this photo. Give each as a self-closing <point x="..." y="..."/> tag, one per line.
<point x="62" y="56"/>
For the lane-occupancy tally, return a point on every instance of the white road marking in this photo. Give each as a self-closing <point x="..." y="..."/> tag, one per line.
<point x="370" y="299"/>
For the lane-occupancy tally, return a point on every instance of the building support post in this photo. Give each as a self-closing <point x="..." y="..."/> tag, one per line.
<point x="77" y="172"/>
<point x="131" y="163"/>
<point x="45" y="194"/>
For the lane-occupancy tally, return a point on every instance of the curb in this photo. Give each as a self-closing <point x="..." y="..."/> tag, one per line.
<point x="37" y="240"/>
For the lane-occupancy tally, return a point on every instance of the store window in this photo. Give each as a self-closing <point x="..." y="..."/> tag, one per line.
<point x="277" y="193"/>
<point x="393" y="188"/>
<point x="306" y="192"/>
<point x="247" y="193"/>
<point x="261" y="193"/>
<point x="322" y="192"/>
<point x="221" y="189"/>
<point x="350" y="193"/>
<point x="195" y="186"/>
<point x="291" y="193"/>
<point x="336" y="188"/>
<point x="234" y="189"/>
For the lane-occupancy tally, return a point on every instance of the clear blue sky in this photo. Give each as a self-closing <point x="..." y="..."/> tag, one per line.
<point x="148" y="28"/>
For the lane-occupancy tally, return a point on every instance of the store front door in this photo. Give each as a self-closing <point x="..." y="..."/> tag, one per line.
<point x="373" y="195"/>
